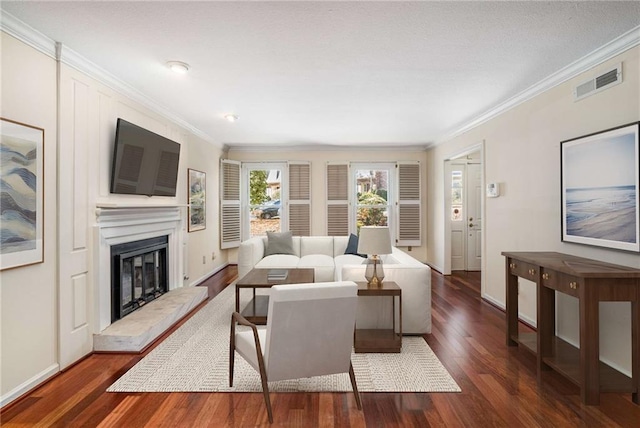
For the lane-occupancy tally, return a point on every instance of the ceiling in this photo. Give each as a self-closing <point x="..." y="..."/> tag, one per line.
<point x="330" y="73"/>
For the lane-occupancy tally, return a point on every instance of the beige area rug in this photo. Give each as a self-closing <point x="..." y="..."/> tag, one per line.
<point x="195" y="358"/>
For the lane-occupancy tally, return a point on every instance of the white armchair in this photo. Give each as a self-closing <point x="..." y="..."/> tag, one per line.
<point x="309" y="332"/>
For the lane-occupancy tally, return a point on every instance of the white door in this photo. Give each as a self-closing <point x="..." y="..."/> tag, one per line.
<point x="474" y="217"/>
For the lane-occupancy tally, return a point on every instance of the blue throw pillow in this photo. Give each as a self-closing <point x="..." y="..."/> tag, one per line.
<point x="352" y="246"/>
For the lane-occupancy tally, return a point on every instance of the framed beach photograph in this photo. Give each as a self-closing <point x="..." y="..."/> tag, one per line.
<point x="22" y="203"/>
<point x="600" y="181"/>
<point x="197" y="200"/>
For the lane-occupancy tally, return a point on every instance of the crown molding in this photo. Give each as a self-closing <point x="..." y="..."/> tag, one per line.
<point x="271" y="148"/>
<point x="626" y="41"/>
<point x="27" y="34"/>
<point x="65" y="55"/>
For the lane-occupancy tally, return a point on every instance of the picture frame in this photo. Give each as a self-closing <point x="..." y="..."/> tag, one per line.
<point x="197" y="200"/>
<point x="22" y="178"/>
<point x="600" y="179"/>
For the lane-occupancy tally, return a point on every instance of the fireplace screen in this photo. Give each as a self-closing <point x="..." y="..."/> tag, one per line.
<point x="139" y="272"/>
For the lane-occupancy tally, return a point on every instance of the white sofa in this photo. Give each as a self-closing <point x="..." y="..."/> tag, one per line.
<point x="326" y="255"/>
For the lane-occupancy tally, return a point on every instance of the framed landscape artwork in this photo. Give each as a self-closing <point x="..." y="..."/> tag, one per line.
<point x="600" y="182"/>
<point x="197" y="200"/>
<point x="22" y="203"/>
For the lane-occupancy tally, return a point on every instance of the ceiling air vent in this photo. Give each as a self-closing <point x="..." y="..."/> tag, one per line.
<point x="599" y="83"/>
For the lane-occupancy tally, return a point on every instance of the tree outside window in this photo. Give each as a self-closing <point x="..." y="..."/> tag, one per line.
<point x="372" y="192"/>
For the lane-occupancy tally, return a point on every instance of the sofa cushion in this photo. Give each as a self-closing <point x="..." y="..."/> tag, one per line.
<point x="279" y="243"/>
<point x="283" y="261"/>
<point x="352" y="246"/>
<point x="316" y="245"/>
<point x="323" y="266"/>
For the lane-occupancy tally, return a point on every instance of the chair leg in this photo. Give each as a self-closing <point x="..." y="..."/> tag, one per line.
<point x="265" y="391"/>
<point x="352" y="375"/>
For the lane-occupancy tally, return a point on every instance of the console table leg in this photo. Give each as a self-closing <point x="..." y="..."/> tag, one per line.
<point x="546" y="313"/>
<point x="589" y="348"/>
<point x="512" y="306"/>
<point x="635" y="351"/>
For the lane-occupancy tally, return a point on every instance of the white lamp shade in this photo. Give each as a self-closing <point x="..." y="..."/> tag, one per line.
<point x="374" y="240"/>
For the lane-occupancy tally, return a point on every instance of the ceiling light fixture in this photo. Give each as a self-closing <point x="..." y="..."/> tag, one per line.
<point x="178" y="67"/>
<point x="231" y="117"/>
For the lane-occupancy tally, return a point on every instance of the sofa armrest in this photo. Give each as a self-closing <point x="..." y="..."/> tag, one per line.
<point x="250" y="252"/>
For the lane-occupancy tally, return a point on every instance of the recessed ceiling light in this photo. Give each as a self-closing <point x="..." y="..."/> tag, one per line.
<point x="178" y="67"/>
<point x="231" y="117"/>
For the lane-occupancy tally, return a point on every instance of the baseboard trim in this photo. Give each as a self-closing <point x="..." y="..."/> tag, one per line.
<point x="436" y="268"/>
<point x="521" y="318"/>
<point x="29" y="385"/>
<point x="208" y="275"/>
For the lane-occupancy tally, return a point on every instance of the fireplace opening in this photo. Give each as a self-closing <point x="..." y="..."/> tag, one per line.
<point x="138" y="274"/>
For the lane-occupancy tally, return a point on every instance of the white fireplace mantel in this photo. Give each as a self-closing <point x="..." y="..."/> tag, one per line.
<point x="117" y="225"/>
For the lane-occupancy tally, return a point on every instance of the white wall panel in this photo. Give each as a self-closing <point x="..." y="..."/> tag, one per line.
<point x="79" y="164"/>
<point x="80" y="295"/>
<point x="77" y="105"/>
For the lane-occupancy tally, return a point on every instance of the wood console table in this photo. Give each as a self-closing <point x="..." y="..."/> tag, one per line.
<point x="591" y="282"/>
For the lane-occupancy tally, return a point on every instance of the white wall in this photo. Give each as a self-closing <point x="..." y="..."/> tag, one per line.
<point x="203" y="244"/>
<point x="43" y="304"/>
<point x="28" y="295"/>
<point x="319" y="159"/>
<point x="522" y="153"/>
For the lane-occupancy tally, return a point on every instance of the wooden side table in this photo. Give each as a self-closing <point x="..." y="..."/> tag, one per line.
<point x="380" y="340"/>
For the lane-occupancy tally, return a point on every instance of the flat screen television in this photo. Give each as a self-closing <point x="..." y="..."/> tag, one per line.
<point x="144" y="163"/>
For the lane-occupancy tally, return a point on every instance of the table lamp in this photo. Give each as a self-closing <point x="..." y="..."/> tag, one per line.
<point x="374" y="241"/>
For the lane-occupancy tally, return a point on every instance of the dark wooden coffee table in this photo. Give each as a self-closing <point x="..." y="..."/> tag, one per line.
<point x="256" y="310"/>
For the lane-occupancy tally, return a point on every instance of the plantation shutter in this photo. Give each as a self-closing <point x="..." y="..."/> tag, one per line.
<point x="337" y="199"/>
<point x="409" y="204"/>
<point x="300" y="198"/>
<point x="230" y="236"/>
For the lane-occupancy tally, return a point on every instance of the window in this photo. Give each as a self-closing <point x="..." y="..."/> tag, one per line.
<point x="456" y="195"/>
<point x="372" y="195"/>
<point x="260" y="197"/>
<point x="383" y="194"/>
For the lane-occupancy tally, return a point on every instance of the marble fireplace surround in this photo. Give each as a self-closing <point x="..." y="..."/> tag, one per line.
<point x="118" y="225"/>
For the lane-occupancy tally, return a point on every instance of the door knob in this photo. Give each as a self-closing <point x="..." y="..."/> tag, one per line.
<point x="470" y="224"/>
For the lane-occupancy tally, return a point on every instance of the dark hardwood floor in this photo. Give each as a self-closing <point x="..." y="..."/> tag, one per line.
<point x="498" y="384"/>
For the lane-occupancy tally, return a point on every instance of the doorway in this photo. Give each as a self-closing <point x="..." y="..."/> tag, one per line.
<point x="464" y="212"/>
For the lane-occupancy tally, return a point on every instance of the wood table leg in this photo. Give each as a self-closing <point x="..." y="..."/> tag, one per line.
<point x="512" y="305"/>
<point x="589" y="346"/>
<point x="237" y="299"/>
<point x="635" y="350"/>
<point x="546" y="314"/>
<point x="400" y="305"/>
